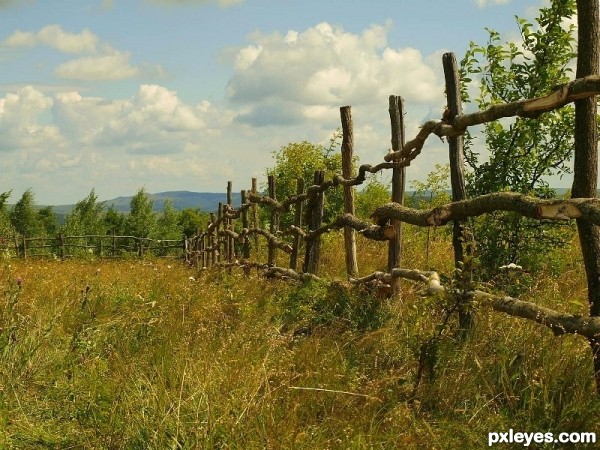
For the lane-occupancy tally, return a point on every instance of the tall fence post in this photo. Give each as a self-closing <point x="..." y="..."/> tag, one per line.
<point x="211" y="240"/>
<point x="217" y="228"/>
<point x="314" y="220"/>
<point x="396" y="110"/>
<point x="457" y="176"/>
<point x="274" y="225"/>
<point x="229" y="227"/>
<point x="246" y="241"/>
<point x="347" y="153"/>
<point x="298" y="224"/>
<point x="255" y="212"/>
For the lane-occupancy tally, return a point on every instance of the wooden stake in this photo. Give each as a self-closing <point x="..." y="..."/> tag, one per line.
<point x="297" y="223"/>
<point x="347" y="153"/>
<point x="274" y="225"/>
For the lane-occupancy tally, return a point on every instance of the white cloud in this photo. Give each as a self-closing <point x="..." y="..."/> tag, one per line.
<point x="282" y="79"/>
<point x="55" y="37"/>
<point x="223" y="3"/>
<point x="487" y="3"/>
<point x="98" y="61"/>
<point x="115" y="66"/>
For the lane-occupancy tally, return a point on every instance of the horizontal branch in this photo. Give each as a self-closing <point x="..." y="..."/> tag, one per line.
<point x="376" y="233"/>
<point x="558" y="322"/>
<point x="281" y="272"/>
<point x="530" y="108"/>
<point x="503" y="201"/>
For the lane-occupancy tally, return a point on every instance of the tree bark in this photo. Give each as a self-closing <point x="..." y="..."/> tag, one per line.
<point x="586" y="159"/>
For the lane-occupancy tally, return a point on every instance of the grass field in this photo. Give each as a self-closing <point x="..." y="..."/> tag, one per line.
<point x="157" y="355"/>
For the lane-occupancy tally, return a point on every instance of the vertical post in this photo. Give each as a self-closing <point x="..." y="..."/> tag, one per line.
<point x="24" y="241"/>
<point x="229" y="227"/>
<point x="220" y="221"/>
<point x="274" y="225"/>
<point x="315" y="213"/>
<point x="211" y="240"/>
<point x="246" y="243"/>
<point x="396" y="110"/>
<point x="113" y="244"/>
<point x="61" y="236"/>
<point x="347" y="153"/>
<point x="457" y="176"/>
<point x="297" y="223"/>
<point x="255" y="213"/>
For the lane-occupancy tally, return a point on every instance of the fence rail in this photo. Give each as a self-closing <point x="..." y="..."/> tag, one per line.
<point x="104" y="246"/>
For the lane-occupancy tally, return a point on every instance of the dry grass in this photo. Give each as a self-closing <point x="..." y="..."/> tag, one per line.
<point x="138" y="355"/>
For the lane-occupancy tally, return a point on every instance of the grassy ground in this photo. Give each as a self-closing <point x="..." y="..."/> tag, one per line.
<point x="157" y="355"/>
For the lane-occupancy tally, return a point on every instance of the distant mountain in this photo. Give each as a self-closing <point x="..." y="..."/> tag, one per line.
<point x="206" y="201"/>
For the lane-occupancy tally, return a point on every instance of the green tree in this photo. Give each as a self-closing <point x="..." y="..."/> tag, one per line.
<point x="5" y="225"/>
<point x="48" y="222"/>
<point x="24" y="216"/>
<point x="114" y="221"/>
<point x="521" y="152"/>
<point x="142" y="220"/>
<point x="168" y="222"/>
<point x="374" y="194"/>
<point x="300" y="161"/>
<point x="191" y="220"/>
<point x="86" y="217"/>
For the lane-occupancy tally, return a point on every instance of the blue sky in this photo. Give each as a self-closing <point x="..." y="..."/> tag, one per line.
<point x="187" y="94"/>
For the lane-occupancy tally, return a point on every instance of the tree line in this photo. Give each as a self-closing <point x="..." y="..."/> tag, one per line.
<point x="92" y="217"/>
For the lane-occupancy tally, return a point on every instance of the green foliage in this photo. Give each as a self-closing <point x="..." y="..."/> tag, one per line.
<point x="374" y="194"/>
<point x="142" y="220"/>
<point x="24" y="216"/>
<point x="114" y="222"/>
<point x="300" y="161"/>
<point x="191" y="220"/>
<point x="434" y="191"/>
<point x="86" y="217"/>
<point x="168" y="222"/>
<point x="522" y="151"/>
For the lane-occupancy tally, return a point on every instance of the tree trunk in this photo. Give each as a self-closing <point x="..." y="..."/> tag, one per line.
<point x="586" y="159"/>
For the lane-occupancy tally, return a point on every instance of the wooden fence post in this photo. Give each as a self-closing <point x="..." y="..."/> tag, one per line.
<point x="211" y="241"/>
<point x="229" y="227"/>
<point x="24" y="243"/>
<point x="274" y="225"/>
<point x="297" y="223"/>
<point x="113" y="244"/>
<point x="314" y="220"/>
<point x="255" y="212"/>
<point x="218" y="238"/>
<point x="246" y="242"/>
<point x="457" y="176"/>
<point x="396" y="110"/>
<point x="347" y="153"/>
<point x="61" y="238"/>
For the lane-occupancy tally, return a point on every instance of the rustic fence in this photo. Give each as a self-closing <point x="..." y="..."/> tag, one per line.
<point x="103" y="246"/>
<point x="226" y="241"/>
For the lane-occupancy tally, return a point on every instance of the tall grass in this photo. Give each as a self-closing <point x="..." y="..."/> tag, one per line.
<point x="158" y="355"/>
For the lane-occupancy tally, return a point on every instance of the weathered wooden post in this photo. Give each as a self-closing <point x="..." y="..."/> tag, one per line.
<point x="314" y="220"/>
<point x="246" y="241"/>
<point x="24" y="243"/>
<point x="457" y="175"/>
<point x="274" y="225"/>
<point x="396" y="110"/>
<point x="229" y="227"/>
<point x="217" y="229"/>
<point x="113" y="244"/>
<point x="347" y="153"/>
<point x="61" y="238"/>
<point x="211" y="240"/>
<point x="255" y="212"/>
<point x="298" y="224"/>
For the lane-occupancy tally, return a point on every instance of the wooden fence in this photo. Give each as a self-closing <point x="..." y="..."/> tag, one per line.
<point x="225" y="242"/>
<point x="103" y="246"/>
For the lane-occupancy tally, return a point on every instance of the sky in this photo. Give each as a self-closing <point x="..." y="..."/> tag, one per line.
<point x="116" y="95"/>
